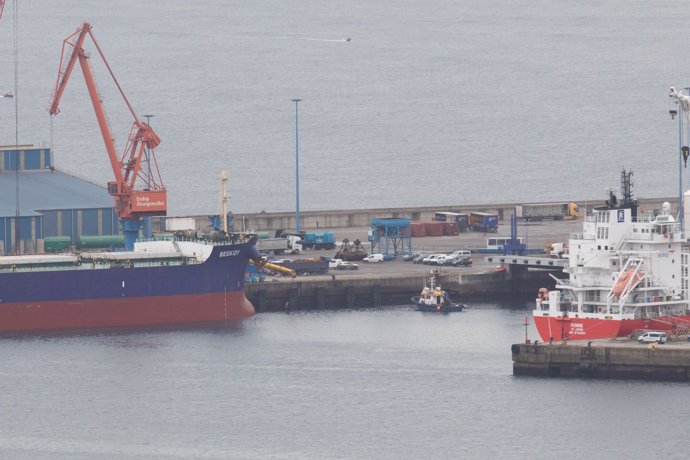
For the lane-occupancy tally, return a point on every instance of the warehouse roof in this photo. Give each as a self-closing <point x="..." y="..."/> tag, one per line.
<point x="47" y="189"/>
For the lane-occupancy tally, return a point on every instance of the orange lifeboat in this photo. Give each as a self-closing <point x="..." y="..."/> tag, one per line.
<point x="624" y="279"/>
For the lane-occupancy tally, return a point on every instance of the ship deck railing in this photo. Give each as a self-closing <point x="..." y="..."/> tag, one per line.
<point x="93" y="264"/>
<point x="239" y="239"/>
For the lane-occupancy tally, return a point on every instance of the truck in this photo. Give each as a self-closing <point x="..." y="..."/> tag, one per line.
<point x="315" y="266"/>
<point x="289" y="244"/>
<point x="483" y="222"/>
<point x="318" y="240"/>
<point x="547" y="211"/>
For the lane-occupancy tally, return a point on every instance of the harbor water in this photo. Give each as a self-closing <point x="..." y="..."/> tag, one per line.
<point x="428" y="103"/>
<point x="472" y="102"/>
<point x="349" y="384"/>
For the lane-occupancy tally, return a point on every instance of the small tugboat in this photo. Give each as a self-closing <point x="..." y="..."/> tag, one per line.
<point x="434" y="299"/>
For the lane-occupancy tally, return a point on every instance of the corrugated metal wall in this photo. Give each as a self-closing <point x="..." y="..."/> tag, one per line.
<point x="75" y="222"/>
<point x="30" y="227"/>
<point x="28" y="159"/>
<point x="65" y="222"/>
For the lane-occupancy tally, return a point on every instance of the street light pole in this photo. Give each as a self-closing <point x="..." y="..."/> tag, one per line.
<point x="297" y="223"/>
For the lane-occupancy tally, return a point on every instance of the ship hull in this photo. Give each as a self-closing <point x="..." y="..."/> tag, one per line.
<point x="119" y="313"/>
<point x="103" y="298"/>
<point x="566" y="328"/>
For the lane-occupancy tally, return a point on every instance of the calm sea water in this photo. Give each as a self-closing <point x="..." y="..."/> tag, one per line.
<point x="430" y="103"/>
<point x="385" y="384"/>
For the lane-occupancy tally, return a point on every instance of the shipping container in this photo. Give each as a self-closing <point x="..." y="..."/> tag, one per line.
<point x="418" y="229"/>
<point x="450" y="229"/>
<point x="434" y="228"/>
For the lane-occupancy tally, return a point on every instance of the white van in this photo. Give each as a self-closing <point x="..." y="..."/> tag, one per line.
<point x="653" y="336"/>
<point x="335" y="263"/>
<point x="441" y="260"/>
<point x="461" y="253"/>
<point x="373" y="258"/>
<point x="431" y="259"/>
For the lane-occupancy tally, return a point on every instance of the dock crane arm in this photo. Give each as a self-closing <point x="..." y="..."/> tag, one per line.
<point x="262" y="262"/>
<point x="138" y="160"/>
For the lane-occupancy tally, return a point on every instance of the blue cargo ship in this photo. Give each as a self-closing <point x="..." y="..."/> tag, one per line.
<point x="159" y="283"/>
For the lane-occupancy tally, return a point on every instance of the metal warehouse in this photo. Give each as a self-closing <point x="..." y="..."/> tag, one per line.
<point x="50" y="203"/>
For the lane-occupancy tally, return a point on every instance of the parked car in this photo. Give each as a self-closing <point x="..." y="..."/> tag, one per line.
<point x="431" y="259"/>
<point x="373" y="258"/>
<point x="462" y="261"/>
<point x="345" y="265"/>
<point x="653" y="337"/>
<point x="420" y="258"/>
<point x="443" y="258"/>
<point x="409" y="257"/>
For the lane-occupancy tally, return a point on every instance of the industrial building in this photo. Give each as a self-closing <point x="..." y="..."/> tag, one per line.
<point x="50" y="203"/>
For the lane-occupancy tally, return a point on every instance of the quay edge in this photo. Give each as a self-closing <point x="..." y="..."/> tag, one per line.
<point x="612" y="359"/>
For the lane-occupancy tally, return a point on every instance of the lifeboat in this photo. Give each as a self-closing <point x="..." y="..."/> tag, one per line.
<point x="624" y="279"/>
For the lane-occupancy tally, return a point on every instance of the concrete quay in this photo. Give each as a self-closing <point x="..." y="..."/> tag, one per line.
<point x="604" y="359"/>
<point x="395" y="282"/>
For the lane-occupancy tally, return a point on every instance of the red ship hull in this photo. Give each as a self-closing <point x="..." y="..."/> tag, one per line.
<point x="117" y="312"/>
<point x="567" y="328"/>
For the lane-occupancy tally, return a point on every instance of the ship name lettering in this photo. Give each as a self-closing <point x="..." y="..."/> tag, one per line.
<point x="577" y="329"/>
<point x="233" y="253"/>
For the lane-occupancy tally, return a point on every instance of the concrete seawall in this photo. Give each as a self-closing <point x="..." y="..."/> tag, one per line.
<point x="604" y="360"/>
<point x="332" y="292"/>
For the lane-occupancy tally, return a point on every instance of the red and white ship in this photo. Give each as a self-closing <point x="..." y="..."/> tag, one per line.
<point x="627" y="271"/>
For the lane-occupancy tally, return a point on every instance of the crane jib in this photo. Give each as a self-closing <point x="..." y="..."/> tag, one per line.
<point x="138" y="162"/>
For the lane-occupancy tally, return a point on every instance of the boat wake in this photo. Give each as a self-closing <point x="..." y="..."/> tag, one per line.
<point x="313" y="39"/>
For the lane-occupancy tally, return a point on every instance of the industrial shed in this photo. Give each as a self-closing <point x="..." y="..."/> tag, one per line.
<point x="51" y="202"/>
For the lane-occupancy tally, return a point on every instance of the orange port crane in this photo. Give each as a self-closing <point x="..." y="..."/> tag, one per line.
<point x="138" y="161"/>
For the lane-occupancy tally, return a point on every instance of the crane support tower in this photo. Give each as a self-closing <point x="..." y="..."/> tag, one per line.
<point x="138" y="189"/>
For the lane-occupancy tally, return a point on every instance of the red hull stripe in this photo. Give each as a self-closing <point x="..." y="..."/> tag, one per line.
<point x="105" y="313"/>
<point x="558" y="328"/>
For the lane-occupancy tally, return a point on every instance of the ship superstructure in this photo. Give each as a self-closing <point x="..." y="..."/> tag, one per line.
<point x="627" y="270"/>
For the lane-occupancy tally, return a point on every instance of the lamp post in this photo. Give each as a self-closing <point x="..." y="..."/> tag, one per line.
<point x="681" y="205"/>
<point x="298" y="228"/>
<point x="683" y="102"/>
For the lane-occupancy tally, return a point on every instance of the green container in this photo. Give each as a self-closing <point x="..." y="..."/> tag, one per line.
<point x="56" y="243"/>
<point x="263" y="235"/>
<point x="103" y="241"/>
